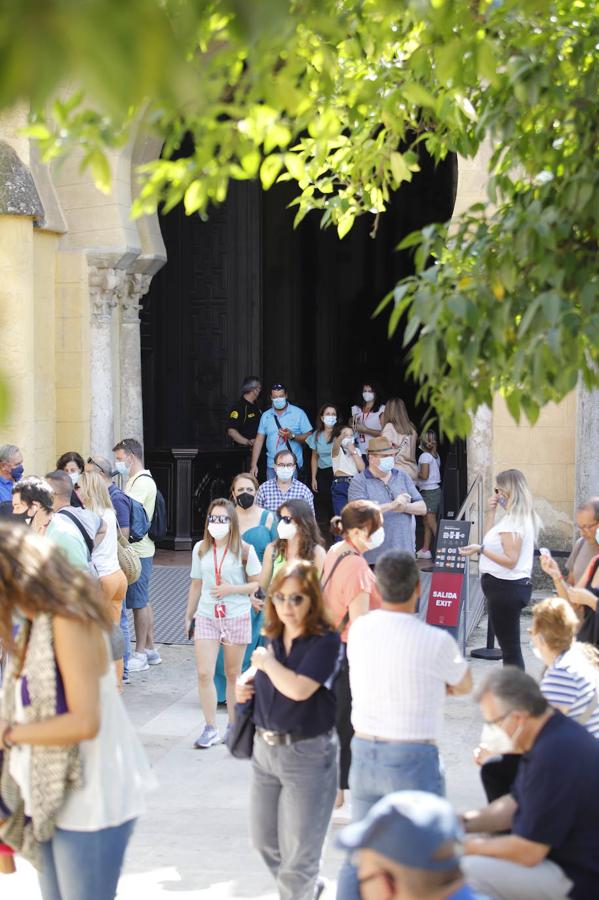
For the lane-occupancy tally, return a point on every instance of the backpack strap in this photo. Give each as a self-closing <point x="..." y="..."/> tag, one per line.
<point x="84" y="534"/>
<point x="345" y="620"/>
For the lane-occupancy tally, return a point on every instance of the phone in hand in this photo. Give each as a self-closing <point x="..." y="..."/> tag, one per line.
<point x="247" y="676"/>
<point x="544" y="551"/>
<point x="191" y="630"/>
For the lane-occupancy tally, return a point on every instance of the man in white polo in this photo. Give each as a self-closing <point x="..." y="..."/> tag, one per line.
<point x="400" y="670"/>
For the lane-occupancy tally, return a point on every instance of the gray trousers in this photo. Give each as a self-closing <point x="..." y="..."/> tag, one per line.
<point x="510" y="881"/>
<point x="291" y="800"/>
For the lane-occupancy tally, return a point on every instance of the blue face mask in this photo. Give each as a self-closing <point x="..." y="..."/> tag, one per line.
<point x="121" y="468"/>
<point x="17" y="472"/>
<point x="385" y="463"/>
<point x="279" y="402"/>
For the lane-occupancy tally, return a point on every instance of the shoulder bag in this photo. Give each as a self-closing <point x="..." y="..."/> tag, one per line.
<point x="345" y="620"/>
<point x="240" y="736"/>
<point x="129" y="561"/>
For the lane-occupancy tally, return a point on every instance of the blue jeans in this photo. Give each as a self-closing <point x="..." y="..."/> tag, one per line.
<point x="84" y="865"/>
<point x="379" y="768"/>
<point x="124" y="623"/>
<point x="339" y="489"/>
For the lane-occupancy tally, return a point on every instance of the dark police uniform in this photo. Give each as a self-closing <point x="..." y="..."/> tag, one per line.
<point x="245" y="418"/>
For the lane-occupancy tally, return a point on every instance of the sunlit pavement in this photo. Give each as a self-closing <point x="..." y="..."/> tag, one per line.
<point x="193" y="842"/>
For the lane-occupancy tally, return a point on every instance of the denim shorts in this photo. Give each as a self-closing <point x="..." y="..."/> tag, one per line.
<point x="138" y="593"/>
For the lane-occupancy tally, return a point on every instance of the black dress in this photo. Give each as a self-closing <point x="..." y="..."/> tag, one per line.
<point x="589" y="630"/>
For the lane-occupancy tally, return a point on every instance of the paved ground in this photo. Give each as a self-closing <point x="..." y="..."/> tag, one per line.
<point x="193" y="842"/>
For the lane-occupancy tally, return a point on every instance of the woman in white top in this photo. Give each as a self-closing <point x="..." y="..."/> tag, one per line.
<point x="84" y="785"/>
<point x="429" y="485"/>
<point x="366" y="416"/>
<point x="219" y="608"/>
<point x="347" y="462"/>
<point x="399" y="428"/>
<point x="93" y="494"/>
<point x="506" y="556"/>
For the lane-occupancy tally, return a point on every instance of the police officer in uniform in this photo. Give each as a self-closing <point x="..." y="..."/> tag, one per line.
<point x="243" y="418"/>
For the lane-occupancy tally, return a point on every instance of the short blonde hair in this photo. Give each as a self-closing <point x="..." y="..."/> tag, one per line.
<point x="556" y="622"/>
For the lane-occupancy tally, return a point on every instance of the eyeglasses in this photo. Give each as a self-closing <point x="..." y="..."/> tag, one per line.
<point x="286" y="465"/>
<point x="97" y="465"/>
<point x="294" y="599"/>
<point x="499" y="718"/>
<point x="287" y="520"/>
<point x="220" y="520"/>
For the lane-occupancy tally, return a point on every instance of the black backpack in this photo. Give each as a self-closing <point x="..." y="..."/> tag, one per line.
<point x="157" y="531"/>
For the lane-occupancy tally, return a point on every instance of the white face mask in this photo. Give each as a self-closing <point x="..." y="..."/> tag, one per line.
<point x="368" y="396"/>
<point x="385" y="463"/>
<point x="376" y="538"/>
<point x="347" y="442"/>
<point x="329" y="420"/>
<point x="535" y="650"/>
<point x="286" y="530"/>
<point x="74" y="476"/>
<point x="494" y="739"/>
<point x="284" y="473"/>
<point x="597" y="536"/>
<point x="218" y="530"/>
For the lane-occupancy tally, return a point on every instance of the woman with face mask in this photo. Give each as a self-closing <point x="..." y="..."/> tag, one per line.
<point x="349" y="590"/>
<point x="72" y="463"/>
<point x="366" y="415"/>
<point x="298" y="537"/>
<point x="321" y="443"/>
<point x="401" y="431"/>
<point x="258" y="528"/>
<point x="505" y="560"/>
<point x="347" y="461"/>
<point x="219" y="609"/>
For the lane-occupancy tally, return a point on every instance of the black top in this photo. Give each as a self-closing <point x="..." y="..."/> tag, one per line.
<point x="589" y="629"/>
<point x="245" y="418"/>
<point x="557" y="791"/>
<point x="317" y="657"/>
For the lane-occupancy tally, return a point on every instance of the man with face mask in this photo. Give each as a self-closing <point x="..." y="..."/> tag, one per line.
<point x="409" y="667"/>
<point x="11" y="470"/>
<point x="552" y="811"/>
<point x="283" y="486"/>
<point x="140" y="485"/>
<point x="396" y="495"/>
<point x="283" y="427"/>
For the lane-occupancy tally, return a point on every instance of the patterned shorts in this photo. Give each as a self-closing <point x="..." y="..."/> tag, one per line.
<point x="237" y="630"/>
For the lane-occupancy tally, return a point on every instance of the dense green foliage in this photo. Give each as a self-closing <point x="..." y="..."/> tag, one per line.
<point x="337" y="97"/>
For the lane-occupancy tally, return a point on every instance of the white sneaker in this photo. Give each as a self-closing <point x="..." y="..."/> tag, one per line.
<point x="424" y="554"/>
<point x="342" y="814"/>
<point x="153" y="657"/>
<point x="138" y="662"/>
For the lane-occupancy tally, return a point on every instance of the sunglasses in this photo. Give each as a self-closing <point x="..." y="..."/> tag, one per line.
<point x="220" y="520"/>
<point x="287" y="520"/>
<point x="294" y="599"/>
<point x="97" y="465"/>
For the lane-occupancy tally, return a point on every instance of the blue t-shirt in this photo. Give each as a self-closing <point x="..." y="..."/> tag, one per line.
<point x="293" y="418"/>
<point x="557" y="792"/>
<point x="317" y="441"/>
<point x="316" y="656"/>
<point x="6" y="486"/>
<point x="122" y="505"/>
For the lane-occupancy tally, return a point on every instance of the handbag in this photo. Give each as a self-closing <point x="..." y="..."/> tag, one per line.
<point x="240" y="736"/>
<point x="129" y="561"/>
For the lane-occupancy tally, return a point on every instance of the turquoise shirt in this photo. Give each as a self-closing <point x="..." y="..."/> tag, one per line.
<point x="317" y="441"/>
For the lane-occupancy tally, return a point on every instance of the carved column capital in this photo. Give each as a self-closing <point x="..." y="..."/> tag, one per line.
<point x="137" y="286"/>
<point x="106" y="287"/>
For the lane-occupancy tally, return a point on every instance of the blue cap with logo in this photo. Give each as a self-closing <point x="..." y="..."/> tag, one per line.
<point x="409" y="828"/>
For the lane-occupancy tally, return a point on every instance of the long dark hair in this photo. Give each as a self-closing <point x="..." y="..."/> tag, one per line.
<point x="316" y="621"/>
<point x="339" y="424"/>
<point x="378" y="397"/>
<point x="309" y="533"/>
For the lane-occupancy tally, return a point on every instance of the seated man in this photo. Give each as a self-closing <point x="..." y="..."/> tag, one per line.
<point x="553" y="810"/>
<point x="407" y="847"/>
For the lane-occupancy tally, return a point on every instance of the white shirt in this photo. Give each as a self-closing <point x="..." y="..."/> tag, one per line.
<point x="104" y="556"/>
<point x="398" y="669"/>
<point x="372" y="420"/>
<point x="492" y="541"/>
<point x="434" y="472"/>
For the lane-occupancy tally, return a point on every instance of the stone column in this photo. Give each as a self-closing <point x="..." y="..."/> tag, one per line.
<point x="105" y="286"/>
<point x="131" y="425"/>
<point x="480" y="460"/>
<point x="587" y="442"/>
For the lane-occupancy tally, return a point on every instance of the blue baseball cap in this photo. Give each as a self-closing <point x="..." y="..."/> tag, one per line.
<point x="408" y="827"/>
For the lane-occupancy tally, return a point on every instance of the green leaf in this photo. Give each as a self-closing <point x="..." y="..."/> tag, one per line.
<point x="195" y="197"/>
<point x="345" y="223"/>
<point x="100" y="167"/>
<point x="399" y="168"/>
<point x="269" y="170"/>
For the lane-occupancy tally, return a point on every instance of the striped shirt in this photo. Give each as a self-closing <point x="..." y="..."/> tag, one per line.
<point x="572" y="684"/>
<point x="398" y="669"/>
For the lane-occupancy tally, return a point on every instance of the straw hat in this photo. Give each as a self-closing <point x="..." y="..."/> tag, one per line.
<point x="380" y="445"/>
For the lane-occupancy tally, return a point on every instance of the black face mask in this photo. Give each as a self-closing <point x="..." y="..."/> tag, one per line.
<point x="245" y="500"/>
<point x="21" y="517"/>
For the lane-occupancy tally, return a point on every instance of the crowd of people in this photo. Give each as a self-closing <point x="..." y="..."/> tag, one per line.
<point x="319" y="646"/>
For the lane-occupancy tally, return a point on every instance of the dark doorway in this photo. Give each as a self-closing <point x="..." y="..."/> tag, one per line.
<point x="246" y="293"/>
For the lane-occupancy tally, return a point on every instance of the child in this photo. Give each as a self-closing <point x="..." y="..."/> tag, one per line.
<point x="429" y="485"/>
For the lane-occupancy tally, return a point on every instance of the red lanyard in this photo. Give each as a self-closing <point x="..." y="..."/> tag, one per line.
<point x="218" y="569"/>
